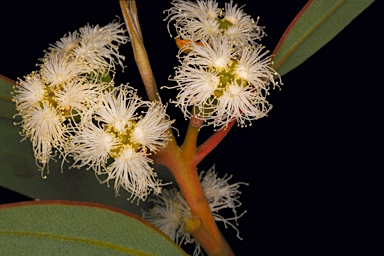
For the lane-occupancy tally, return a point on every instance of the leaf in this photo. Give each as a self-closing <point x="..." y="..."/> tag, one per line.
<point x="69" y="228"/>
<point x="7" y="107"/>
<point x="20" y="173"/>
<point x="314" y="26"/>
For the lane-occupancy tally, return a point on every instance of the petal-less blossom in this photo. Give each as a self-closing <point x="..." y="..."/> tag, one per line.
<point x="221" y="194"/>
<point x="95" y="48"/>
<point x="131" y="171"/>
<point x="196" y="89"/>
<point x="101" y="42"/>
<point x="151" y="131"/>
<point x="115" y="141"/>
<point x="44" y="111"/>
<point x="222" y="83"/>
<point x="44" y="126"/>
<point x="203" y="20"/>
<point x="240" y="103"/>
<point x="198" y="77"/>
<point x="29" y="92"/>
<point x="66" y="86"/>
<point x="191" y="17"/>
<point x="66" y="43"/>
<point x="77" y="96"/>
<point x="118" y="109"/>
<point x="170" y="208"/>
<point x="242" y="28"/>
<point x="57" y="69"/>
<point x="217" y="54"/>
<point x="254" y="67"/>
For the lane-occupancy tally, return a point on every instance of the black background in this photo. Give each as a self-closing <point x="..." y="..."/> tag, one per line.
<point x="314" y="165"/>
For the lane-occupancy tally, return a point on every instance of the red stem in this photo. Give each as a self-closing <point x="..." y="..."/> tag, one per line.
<point x="181" y="165"/>
<point x="204" y="149"/>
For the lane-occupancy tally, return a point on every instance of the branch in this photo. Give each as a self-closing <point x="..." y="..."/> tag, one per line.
<point x="204" y="149"/>
<point x="128" y="8"/>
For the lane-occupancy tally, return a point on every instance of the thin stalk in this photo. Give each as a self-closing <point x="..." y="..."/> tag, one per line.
<point x="204" y="149"/>
<point x="129" y="11"/>
<point x="186" y="176"/>
<point x="189" y="145"/>
<point x="194" y="226"/>
<point x="190" y="141"/>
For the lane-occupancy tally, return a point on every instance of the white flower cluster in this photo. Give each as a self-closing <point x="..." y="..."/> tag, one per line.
<point x="225" y="74"/>
<point x="170" y="207"/>
<point x="70" y="107"/>
<point x="114" y="140"/>
<point x="204" y="20"/>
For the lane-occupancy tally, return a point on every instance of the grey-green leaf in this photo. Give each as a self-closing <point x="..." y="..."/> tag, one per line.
<point x="68" y="228"/>
<point x="20" y="173"/>
<point x="316" y="24"/>
<point x="7" y="107"/>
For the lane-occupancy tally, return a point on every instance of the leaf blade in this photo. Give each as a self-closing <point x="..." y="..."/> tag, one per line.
<point x="315" y="25"/>
<point x="7" y="109"/>
<point x="80" y="228"/>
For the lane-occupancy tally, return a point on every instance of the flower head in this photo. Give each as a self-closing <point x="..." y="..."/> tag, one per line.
<point x="151" y="131"/>
<point x="45" y="110"/>
<point x="92" y="146"/>
<point x="29" y="92"/>
<point x="131" y="171"/>
<point x="53" y="99"/>
<point x="117" y="110"/>
<point x="170" y="209"/>
<point x="58" y="69"/>
<point x="94" y="48"/>
<point x="203" y="20"/>
<point x="44" y="126"/>
<point x="77" y="96"/>
<point x="66" y="43"/>
<point x="168" y="213"/>
<point x="115" y="141"/>
<point x="242" y="29"/>
<point x="222" y="83"/>
<point x="222" y="195"/>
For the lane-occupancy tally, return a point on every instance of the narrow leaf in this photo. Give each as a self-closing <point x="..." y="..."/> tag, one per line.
<point x="315" y="25"/>
<point x="7" y="107"/>
<point x="68" y="228"/>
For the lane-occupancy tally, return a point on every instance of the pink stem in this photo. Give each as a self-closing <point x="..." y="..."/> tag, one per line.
<point x="204" y="149"/>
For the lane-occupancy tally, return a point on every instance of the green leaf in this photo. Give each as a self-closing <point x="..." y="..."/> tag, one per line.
<point x="69" y="228"/>
<point x="315" y="25"/>
<point x="20" y="173"/>
<point x="7" y="107"/>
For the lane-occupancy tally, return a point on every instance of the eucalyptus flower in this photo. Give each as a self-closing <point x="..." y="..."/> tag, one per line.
<point x="204" y="20"/>
<point x="95" y="49"/>
<point x="115" y="139"/>
<point x="168" y="213"/>
<point x="29" y="92"/>
<point x="219" y="83"/>
<point x="58" y="69"/>
<point x="46" y="110"/>
<point x="68" y="84"/>
<point x="45" y="127"/>
<point x="170" y="208"/>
